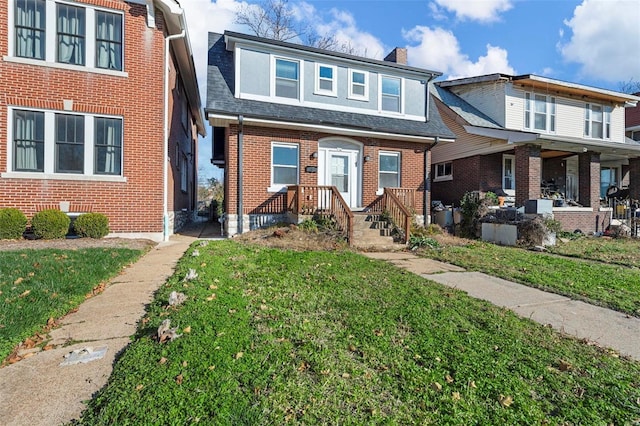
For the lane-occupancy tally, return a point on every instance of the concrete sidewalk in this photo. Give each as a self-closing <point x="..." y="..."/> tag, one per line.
<point x="607" y="328"/>
<point x="40" y="391"/>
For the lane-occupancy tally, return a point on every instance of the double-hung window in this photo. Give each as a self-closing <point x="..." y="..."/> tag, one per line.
<point x="358" y="85"/>
<point x="51" y="142"/>
<point x="389" y="170"/>
<point x="71" y="31"/>
<point x="69" y="156"/>
<point x="108" y="146"/>
<point x="444" y="171"/>
<point x="287" y="79"/>
<point x="597" y="121"/>
<point x="76" y="35"/>
<point x="28" y="141"/>
<point x="30" y="21"/>
<point x="541" y="111"/>
<point x="284" y="164"/>
<point x="326" y="80"/>
<point x="108" y="40"/>
<point x="391" y="94"/>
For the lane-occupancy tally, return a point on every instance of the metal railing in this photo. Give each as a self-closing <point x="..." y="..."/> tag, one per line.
<point x="324" y="201"/>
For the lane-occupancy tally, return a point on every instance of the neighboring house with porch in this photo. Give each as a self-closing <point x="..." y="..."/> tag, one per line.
<point x="101" y="112"/>
<point x="530" y="137"/>
<point x="300" y="130"/>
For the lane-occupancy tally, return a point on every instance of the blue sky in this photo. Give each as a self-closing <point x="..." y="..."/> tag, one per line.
<point x="590" y="42"/>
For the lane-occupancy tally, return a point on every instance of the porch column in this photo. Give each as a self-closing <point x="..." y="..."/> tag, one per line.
<point x="589" y="172"/>
<point x="634" y="178"/>
<point x="528" y="173"/>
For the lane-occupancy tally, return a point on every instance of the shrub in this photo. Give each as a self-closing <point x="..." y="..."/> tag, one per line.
<point x="309" y="225"/>
<point x="91" y="225"/>
<point x="12" y="223"/>
<point x="50" y="224"/>
<point x="418" y="241"/>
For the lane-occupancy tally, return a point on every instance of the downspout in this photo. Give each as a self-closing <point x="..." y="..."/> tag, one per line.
<point x="240" y="181"/>
<point x="427" y="178"/>
<point x="165" y="167"/>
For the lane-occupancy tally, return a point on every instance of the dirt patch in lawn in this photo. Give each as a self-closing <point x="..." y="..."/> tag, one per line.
<point x="293" y="238"/>
<point x="76" y="244"/>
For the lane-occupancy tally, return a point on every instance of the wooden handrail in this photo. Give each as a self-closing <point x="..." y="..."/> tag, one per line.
<point x="322" y="200"/>
<point x="398" y="213"/>
<point x="407" y="196"/>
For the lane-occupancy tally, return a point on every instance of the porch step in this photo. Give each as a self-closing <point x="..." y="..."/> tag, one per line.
<point x="371" y="233"/>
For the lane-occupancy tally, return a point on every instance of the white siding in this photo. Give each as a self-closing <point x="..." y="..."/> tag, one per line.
<point x="488" y="98"/>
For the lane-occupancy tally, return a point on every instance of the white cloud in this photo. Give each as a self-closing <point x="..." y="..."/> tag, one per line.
<point x="473" y="10"/>
<point x="439" y="50"/>
<point x="605" y="39"/>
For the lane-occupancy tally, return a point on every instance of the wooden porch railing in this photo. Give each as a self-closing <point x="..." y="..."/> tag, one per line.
<point x="407" y="196"/>
<point x="397" y="210"/>
<point x="324" y="201"/>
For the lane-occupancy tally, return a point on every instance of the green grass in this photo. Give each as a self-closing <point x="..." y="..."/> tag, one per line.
<point x="608" y="285"/>
<point x="620" y="251"/>
<point x="36" y="285"/>
<point x="337" y="338"/>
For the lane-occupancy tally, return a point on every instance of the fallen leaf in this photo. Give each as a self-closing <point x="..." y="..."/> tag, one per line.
<point x="25" y="293"/>
<point x="139" y="387"/>
<point x="472" y="384"/>
<point x="436" y="386"/>
<point x="239" y="355"/>
<point x="28" y="355"/>
<point x="212" y="297"/>
<point x="448" y="378"/>
<point x="47" y="347"/>
<point x="325" y="372"/>
<point x="31" y="274"/>
<point x="184" y="363"/>
<point x="18" y="281"/>
<point x="455" y="396"/>
<point x="179" y="379"/>
<point x="187" y="329"/>
<point x="263" y="307"/>
<point x="346" y="375"/>
<point x="162" y="361"/>
<point x="28" y="343"/>
<point x="212" y="367"/>
<point x="213" y="287"/>
<point x="378" y="332"/>
<point x="565" y="366"/>
<point x="303" y="366"/>
<point x="352" y="348"/>
<point x="505" y="401"/>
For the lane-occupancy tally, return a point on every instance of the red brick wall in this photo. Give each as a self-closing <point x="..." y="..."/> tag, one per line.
<point x="132" y="206"/>
<point x="257" y="166"/>
<point x="528" y="173"/>
<point x="634" y="178"/>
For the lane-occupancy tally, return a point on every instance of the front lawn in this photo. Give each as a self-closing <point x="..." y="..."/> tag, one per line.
<point x="598" y="282"/>
<point x="36" y="285"/>
<point x="274" y="337"/>
<point x="621" y="251"/>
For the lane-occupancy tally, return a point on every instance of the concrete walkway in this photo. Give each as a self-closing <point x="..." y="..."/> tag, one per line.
<point x="39" y="390"/>
<point x="605" y="327"/>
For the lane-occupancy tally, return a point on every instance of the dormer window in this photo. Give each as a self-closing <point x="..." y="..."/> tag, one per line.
<point x="358" y="85"/>
<point x="391" y="94"/>
<point x="326" y="80"/>
<point x="287" y="78"/>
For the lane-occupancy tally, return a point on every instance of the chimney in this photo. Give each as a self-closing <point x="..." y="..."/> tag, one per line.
<point x="397" y="55"/>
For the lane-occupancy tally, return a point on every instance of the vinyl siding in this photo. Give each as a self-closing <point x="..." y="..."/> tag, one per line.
<point x="488" y="98"/>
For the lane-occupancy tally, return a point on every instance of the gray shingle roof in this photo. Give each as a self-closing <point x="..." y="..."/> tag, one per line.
<point x="220" y="99"/>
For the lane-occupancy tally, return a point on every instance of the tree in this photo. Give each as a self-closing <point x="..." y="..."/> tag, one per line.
<point x="277" y="20"/>
<point x="630" y="86"/>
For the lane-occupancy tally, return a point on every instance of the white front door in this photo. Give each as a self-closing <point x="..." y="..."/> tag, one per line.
<point x="339" y="166"/>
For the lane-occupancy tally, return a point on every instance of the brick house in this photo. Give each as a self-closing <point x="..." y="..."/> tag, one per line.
<point x="632" y="121"/>
<point x="531" y="137"/>
<point x="290" y="121"/>
<point x="101" y="112"/>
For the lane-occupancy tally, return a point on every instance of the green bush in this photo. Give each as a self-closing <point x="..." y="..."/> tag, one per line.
<point x="50" y="224"/>
<point x="12" y="223"/>
<point x="92" y="225"/>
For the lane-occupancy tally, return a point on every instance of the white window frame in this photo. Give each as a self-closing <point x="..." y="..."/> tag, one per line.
<point x="51" y="45"/>
<point x="381" y="94"/>
<point x="606" y="121"/>
<point x="440" y="173"/>
<point x="509" y="191"/>
<point x="277" y="187"/>
<point x="48" y="171"/>
<point x="530" y="112"/>
<point x="274" y="78"/>
<point x="333" y="80"/>
<point x="365" y="86"/>
<point x="398" y="173"/>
